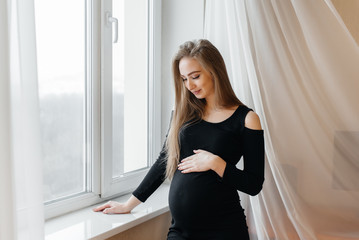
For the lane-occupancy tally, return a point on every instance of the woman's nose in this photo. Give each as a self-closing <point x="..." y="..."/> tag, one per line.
<point x="190" y="84"/>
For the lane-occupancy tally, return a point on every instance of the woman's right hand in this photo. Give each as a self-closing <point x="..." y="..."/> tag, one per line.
<point x="112" y="207"/>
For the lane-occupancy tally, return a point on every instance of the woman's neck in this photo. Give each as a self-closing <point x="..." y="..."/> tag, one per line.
<point x="211" y="105"/>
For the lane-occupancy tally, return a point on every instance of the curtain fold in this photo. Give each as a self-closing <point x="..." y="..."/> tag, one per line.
<point x="21" y="163"/>
<point x="7" y="229"/>
<point x="296" y="64"/>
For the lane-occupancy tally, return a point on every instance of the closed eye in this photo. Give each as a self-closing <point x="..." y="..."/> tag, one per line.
<point x="195" y="77"/>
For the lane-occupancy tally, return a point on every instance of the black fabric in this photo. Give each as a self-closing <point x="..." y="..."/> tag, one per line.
<point x="203" y="205"/>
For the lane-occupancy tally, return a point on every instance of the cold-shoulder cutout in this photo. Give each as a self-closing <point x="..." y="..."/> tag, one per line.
<point x="252" y="121"/>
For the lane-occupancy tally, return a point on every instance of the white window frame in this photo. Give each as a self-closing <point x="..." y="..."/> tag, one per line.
<point x="100" y="188"/>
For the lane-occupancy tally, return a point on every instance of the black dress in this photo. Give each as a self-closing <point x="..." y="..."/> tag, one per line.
<point x="202" y="204"/>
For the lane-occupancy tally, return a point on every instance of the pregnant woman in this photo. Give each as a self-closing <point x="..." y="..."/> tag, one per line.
<point x="210" y="130"/>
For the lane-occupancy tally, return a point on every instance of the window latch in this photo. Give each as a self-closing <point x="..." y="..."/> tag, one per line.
<point x="109" y="21"/>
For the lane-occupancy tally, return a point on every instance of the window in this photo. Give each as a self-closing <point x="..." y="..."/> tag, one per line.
<point x="97" y="98"/>
<point x="61" y="49"/>
<point x="126" y="74"/>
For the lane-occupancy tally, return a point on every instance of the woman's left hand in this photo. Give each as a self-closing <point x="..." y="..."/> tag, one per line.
<point x="201" y="161"/>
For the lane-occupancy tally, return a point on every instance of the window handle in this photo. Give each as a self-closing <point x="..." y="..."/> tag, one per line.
<point x="109" y="21"/>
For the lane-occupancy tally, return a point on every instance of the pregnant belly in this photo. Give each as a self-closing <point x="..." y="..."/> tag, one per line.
<point x="201" y="199"/>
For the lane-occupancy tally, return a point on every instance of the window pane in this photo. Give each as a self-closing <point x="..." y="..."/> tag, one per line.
<point x="60" y="33"/>
<point x="130" y="82"/>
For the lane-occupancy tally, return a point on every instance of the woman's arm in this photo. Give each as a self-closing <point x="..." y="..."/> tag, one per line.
<point x="253" y="122"/>
<point x="248" y="180"/>
<point x="153" y="179"/>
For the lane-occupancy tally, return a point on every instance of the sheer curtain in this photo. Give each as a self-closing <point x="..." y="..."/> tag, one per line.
<point x="295" y="63"/>
<point x="21" y="204"/>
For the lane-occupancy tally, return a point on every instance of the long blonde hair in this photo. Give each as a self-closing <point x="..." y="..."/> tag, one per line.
<point x="188" y="108"/>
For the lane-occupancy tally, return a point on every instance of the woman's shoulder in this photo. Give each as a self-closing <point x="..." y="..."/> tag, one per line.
<point x="241" y="111"/>
<point x="247" y="117"/>
<point x="252" y="121"/>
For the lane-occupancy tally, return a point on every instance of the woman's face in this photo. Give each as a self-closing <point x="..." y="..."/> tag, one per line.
<point x="196" y="79"/>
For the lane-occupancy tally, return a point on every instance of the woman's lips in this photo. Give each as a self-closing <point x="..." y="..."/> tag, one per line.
<point x="196" y="92"/>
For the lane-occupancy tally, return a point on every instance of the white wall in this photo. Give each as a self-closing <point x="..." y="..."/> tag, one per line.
<point x="182" y="20"/>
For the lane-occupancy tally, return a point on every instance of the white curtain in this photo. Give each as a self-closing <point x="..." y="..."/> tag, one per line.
<point x="21" y="201"/>
<point x="296" y="64"/>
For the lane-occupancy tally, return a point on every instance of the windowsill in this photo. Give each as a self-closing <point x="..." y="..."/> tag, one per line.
<point x="86" y="224"/>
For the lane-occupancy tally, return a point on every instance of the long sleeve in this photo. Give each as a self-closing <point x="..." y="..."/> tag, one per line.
<point x="155" y="176"/>
<point x="250" y="179"/>
<point x="153" y="179"/>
